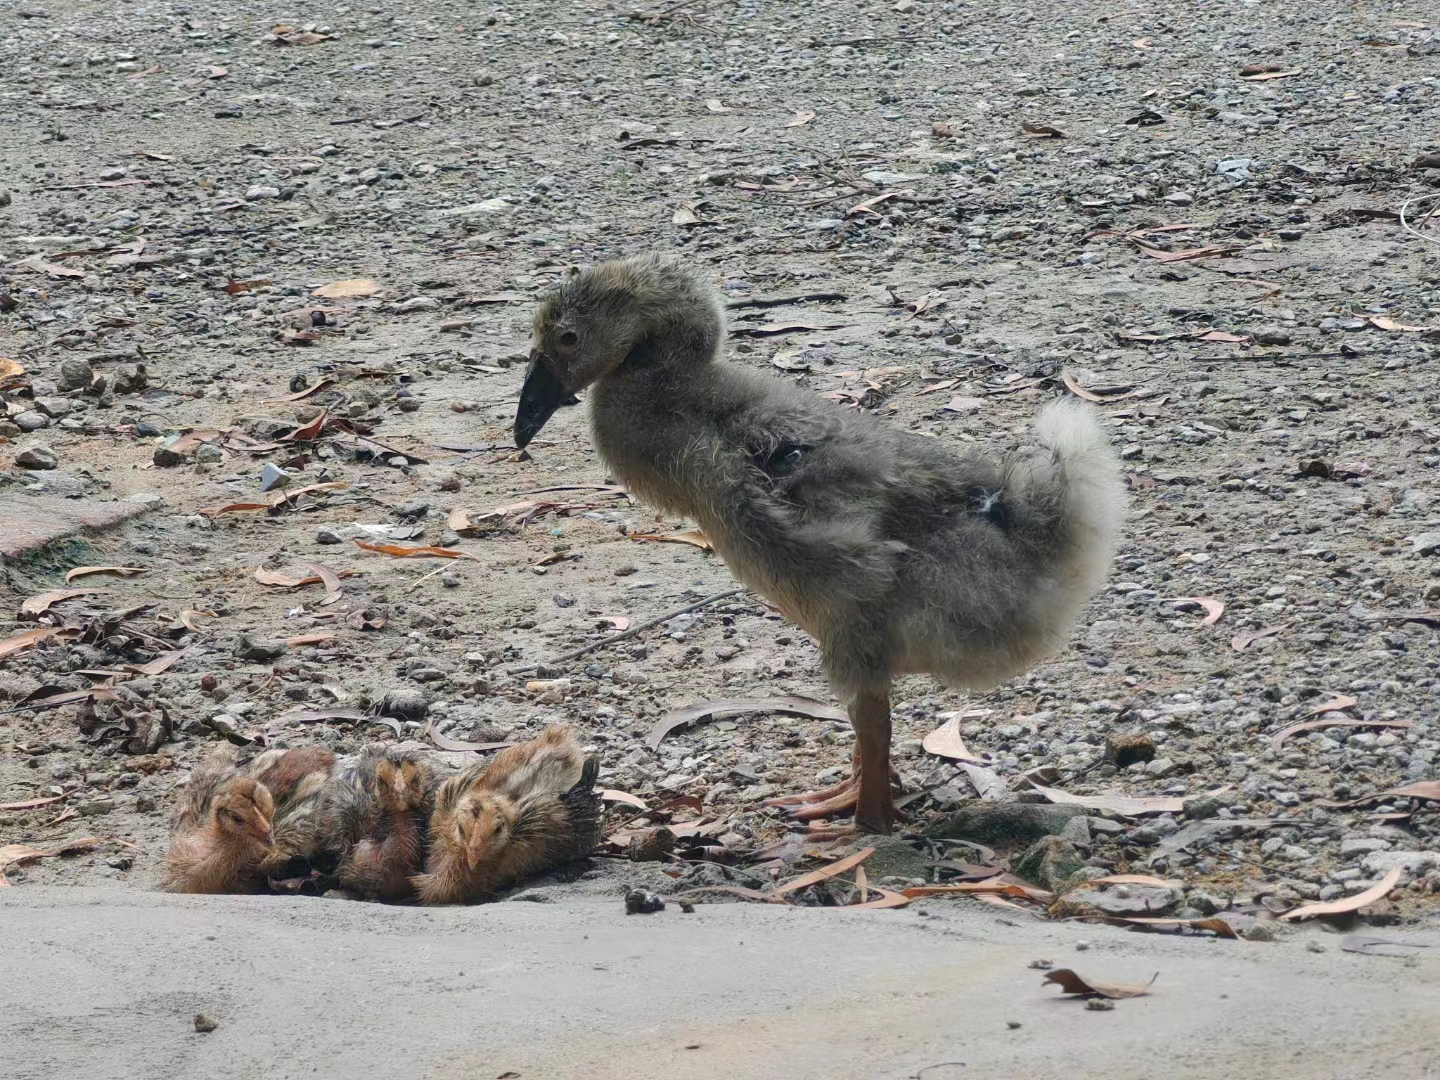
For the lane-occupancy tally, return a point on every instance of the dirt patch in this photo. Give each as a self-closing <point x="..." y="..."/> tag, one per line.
<point x="182" y="182"/>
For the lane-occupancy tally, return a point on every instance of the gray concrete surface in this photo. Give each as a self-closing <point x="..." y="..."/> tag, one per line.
<point x="105" y="984"/>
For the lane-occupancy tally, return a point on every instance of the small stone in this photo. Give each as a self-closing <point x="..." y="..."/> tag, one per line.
<point x="96" y="807"/>
<point x="1049" y="862"/>
<point x="272" y="477"/>
<point x="75" y="375"/>
<point x="1180" y="198"/>
<point x="209" y="453"/>
<point x="1412" y="863"/>
<point x="30" y="420"/>
<point x="1261" y="931"/>
<point x="1126" y="900"/>
<point x="449" y="580"/>
<point x="1272" y="335"/>
<point x="1201" y="807"/>
<point x="408" y="404"/>
<point x="261" y="191"/>
<point x="37" y="457"/>
<point x="642" y="902"/>
<point x="419" y="303"/>
<point x="165" y="458"/>
<point x="54" y="407"/>
<point x="413" y="511"/>
<point x="1013" y="1025"/>
<point x="326" y="535"/>
<point x="1100" y="1005"/>
<point x="1159" y="768"/>
<point x="203" y="1024"/>
<point x="405" y="704"/>
<point x="258" y="652"/>
<point x="1204" y="902"/>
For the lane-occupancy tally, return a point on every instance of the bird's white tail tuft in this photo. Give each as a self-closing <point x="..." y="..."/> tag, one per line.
<point x="1094" y="491"/>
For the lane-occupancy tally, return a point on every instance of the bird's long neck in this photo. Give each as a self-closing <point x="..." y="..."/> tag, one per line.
<point x="644" y="413"/>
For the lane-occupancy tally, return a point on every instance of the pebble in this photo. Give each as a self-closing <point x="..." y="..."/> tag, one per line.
<point x="261" y="191"/>
<point x="419" y="303"/>
<point x="37" y="457"/>
<point x="75" y="375"/>
<point x="30" y="420"/>
<point x="54" y="407"/>
<point x="642" y="902"/>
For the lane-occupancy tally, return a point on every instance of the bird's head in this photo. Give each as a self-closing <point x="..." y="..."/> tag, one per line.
<point x="245" y="808"/>
<point x="598" y="318"/>
<point x="482" y="826"/>
<point x="399" y="784"/>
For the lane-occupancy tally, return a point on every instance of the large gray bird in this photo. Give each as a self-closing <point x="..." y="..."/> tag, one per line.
<point x="896" y="554"/>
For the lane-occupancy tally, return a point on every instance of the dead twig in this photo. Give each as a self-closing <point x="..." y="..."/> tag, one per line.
<point x="627" y="634"/>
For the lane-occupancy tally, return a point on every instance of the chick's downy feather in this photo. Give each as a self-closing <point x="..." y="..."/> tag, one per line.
<point x="495" y="823"/>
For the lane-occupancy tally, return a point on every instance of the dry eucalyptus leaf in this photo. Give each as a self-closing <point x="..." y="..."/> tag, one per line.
<point x="693" y="537"/>
<point x="796" y="706"/>
<point x="946" y="741"/>
<point x="1350" y="903"/>
<point x="1316" y="725"/>
<point x="1213" y="608"/>
<point x="1241" y="642"/>
<point x="1072" y="982"/>
<point x="349" y="289"/>
<point x="121" y="571"/>
<point x="398" y="551"/>
<point x="35" y="605"/>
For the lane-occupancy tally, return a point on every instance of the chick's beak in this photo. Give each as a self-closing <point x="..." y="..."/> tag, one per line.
<point x="474" y="849"/>
<point x="265" y="830"/>
<point x="541" y="395"/>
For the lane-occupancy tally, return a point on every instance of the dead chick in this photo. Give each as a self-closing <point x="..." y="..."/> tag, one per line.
<point x="529" y="809"/>
<point x="221" y="833"/>
<point x="298" y="781"/>
<point x="378" y="808"/>
<point x="898" y="555"/>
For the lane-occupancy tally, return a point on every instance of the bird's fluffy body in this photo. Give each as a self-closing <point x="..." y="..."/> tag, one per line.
<point x="298" y="779"/>
<point x="221" y="833"/>
<point x="895" y="553"/>
<point x="375" y="819"/>
<point x="529" y="809"/>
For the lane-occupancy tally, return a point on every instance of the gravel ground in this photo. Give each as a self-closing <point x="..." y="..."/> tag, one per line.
<point x="959" y="201"/>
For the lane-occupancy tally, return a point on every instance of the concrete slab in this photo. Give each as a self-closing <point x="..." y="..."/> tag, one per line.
<point x="30" y="522"/>
<point x="106" y="983"/>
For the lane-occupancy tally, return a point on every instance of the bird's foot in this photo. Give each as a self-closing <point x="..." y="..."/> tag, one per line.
<point x="814" y="805"/>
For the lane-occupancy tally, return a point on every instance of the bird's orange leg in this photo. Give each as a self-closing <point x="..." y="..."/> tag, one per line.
<point x="875" y="807"/>
<point x="869" y="785"/>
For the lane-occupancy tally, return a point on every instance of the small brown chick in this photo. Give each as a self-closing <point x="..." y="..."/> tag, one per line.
<point x="298" y="780"/>
<point x="496" y="823"/>
<point x="378" y="808"/>
<point x="221" y="833"/>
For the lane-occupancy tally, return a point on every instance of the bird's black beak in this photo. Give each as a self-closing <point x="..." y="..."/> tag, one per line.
<point x="541" y="395"/>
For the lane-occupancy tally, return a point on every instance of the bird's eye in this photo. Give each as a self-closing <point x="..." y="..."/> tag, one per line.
<point x="569" y="338"/>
